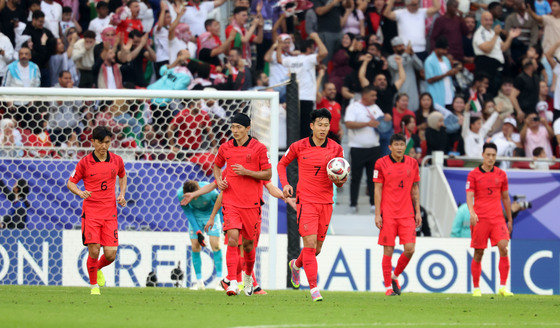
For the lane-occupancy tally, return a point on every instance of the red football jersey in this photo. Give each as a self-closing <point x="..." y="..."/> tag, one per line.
<point x="397" y="179"/>
<point x="99" y="179"/>
<point x="487" y="188"/>
<point x="314" y="185"/>
<point x="243" y="191"/>
<point x="335" y="110"/>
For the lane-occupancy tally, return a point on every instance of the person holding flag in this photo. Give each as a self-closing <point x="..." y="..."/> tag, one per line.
<point x="244" y="38"/>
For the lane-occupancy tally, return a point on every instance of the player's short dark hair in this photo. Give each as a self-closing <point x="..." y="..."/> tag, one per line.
<point x="37" y="14"/>
<point x="190" y="186"/>
<point x="208" y="22"/>
<point x="101" y="132"/>
<point x="537" y="151"/>
<point x="368" y="88"/>
<point x="134" y="33"/>
<point x="89" y="34"/>
<point x="102" y="4"/>
<point x="397" y="137"/>
<point x="239" y="9"/>
<point x="489" y="145"/>
<point x="320" y="113"/>
<point x="66" y="10"/>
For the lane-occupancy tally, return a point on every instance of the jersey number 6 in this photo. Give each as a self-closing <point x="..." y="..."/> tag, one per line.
<point x="104" y="185"/>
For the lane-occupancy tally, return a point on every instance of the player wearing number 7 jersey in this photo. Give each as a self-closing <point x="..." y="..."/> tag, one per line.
<point x="314" y="195"/>
<point x="99" y="171"/>
<point x="397" y="208"/>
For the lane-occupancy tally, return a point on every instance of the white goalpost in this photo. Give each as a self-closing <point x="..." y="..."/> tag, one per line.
<point x="165" y="138"/>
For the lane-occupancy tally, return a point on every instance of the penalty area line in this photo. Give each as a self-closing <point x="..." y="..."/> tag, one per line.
<point x="389" y="324"/>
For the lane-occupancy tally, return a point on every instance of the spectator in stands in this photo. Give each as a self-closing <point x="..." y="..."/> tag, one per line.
<point x="461" y="227"/>
<point x="132" y="56"/>
<point x="341" y="62"/>
<point x="179" y="37"/>
<point x="102" y="21"/>
<point x="489" y="48"/>
<point x="44" y="45"/>
<point x="411" y="23"/>
<point x="261" y="81"/>
<point x="412" y="66"/>
<point x="551" y="25"/>
<point x="363" y="139"/>
<point x="475" y="131"/>
<point x="328" y="24"/>
<point x="23" y="72"/>
<point x="556" y="127"/>
<point x="126" y="20"/>
<point x="540" y="160"/>
<point x="64" y="116"/>
<point x="507" y="140"/>
<point x="39" y="138"/>
<point x="7" y="55"/>
<point x="17" y="215"/>
<point x="438" y="74"/>
<point x="426" y="107"/>
<point x="468" y="50"/>
<point x="326" y="99"/>
<point x="527" y="82"/>
<point x="68" y="22"/>
<point x="529" y="30"/>
<point x="270" y="14"/>
<point x="72" y="142"/>
<point x="279" y="73"/>
<point x="553" y="61"/>
<point x="83" y="57"/>
<point x="385" y="92"/>
<point x="400" y="110"/>
<point x="109" y="76"/>
<point x="197" y="13"/>
<point x="53" y="16"/>
<point x="304" y="66"/>
<point x="436" y="137"/>
<point x="507" y="99"/>
<point x="238" y="74"/>
<point x="453" y="123"/>
<point x="536" y="133"/>
<point x="209" y="44"/>
<point x="452" y="27"/>
<point x="413" y="149"/>
<point x="11" y="15"/>
<point x="161" y="37"/>
<point x="62" y="61"/>
<point x="190" y="130"/>
<point x="352" y="18"/>
<point x="495" y="8"/>
<point x="10" y="136"/>
<point x="246" y="37"/>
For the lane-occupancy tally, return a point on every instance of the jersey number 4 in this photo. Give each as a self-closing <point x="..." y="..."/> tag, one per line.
<point x="401" y="184"/>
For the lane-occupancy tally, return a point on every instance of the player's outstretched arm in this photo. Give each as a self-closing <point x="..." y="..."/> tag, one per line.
<point x="122" y="190"/>
<point x="415" y="195"/>
<point x="201" y="191"/>
<point x="215" y="210"/>
<point x="470" y="204"/>
<point x="377" y="202"/>
<point x="76" y="191"/>
<point x="507" y="205"/>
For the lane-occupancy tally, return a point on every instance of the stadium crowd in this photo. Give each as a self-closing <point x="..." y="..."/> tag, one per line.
<point x="450" y="75"/>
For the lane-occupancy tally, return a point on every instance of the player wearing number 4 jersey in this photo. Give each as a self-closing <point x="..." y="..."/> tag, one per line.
<point x="99" y="171"/>
<point x="397" y="208"/>
<point x="247" y="164"/>
<point x="314" y="195"/>
<point x="487" y="189"/>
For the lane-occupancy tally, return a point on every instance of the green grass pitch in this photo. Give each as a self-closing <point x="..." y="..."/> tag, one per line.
<point x="30" y="306"/>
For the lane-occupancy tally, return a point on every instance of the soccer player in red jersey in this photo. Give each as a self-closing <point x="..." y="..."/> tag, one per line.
<point x="314" y="195"/>
<point x="397" y="208"/>
<point x="487" y="189"/>
<point x="247" y="164"/>
<point x="99" y="171"/>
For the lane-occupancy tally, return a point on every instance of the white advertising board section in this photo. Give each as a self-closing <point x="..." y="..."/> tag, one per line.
<point x="346" y="263"/>
<point x="143" y="252"/>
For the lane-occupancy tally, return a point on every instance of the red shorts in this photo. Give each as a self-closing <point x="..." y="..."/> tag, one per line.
<point x="314" y="219"/>
<point x="100" y="231"/>
<point x="247" y="220"/>
<point x="485" y="229"/>
<point x="405" y="228"/>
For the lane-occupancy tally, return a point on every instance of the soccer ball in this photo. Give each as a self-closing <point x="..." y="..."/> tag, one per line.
<point x="338" y="168"/>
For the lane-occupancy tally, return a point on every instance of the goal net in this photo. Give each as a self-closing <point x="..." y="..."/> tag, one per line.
<point x="164" y="137"/>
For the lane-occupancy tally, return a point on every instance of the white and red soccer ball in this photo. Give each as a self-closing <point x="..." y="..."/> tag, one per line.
<point x="338" y="168"/>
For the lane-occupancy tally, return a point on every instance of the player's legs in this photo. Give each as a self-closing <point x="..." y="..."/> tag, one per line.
<point x="503" y="267"/>
<point x="197" y="263"/>
<point x="401" y="265"/>
<point x="110" y="242"/>
<point x="217" y="252"/>
<point x="232" y="260"/>
<point x="310" y="265"/>
<point x="387" y="268"/>
<point x="476" y="270"/>
<point x="479" y="241"/>
<point x="93" y="250"/>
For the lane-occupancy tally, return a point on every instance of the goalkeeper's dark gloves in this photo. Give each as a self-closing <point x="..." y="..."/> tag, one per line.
<point x="201" y="238"/>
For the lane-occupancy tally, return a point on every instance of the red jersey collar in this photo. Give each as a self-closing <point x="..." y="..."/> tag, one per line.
<point x="245" y="144"/>
<point x="324" y="145"/>
<point x="97" y="159"/>
<point x="394" y="161"/>
<point x="482" y="170"/>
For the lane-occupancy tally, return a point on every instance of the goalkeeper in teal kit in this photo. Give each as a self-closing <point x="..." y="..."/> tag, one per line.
<point x="198" y="212"/>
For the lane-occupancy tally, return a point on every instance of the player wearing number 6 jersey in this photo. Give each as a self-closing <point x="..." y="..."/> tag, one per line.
<point x="314" y="195"/>
<point x="99" y="171"/>
<point x="487" y="189"/>
<point x="397" y="208"/>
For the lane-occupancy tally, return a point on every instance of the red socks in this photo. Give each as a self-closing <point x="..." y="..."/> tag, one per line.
<point x="102" y="262"/>
<point x="310" y="266"/>
<point x="240" y="266"/>
<point x="232" y="261"/>
<point x="249" y="261"/>
<point x="503" y="267"/>
<point x="401" y="264"/>
<point x="299" y="260"/>
<point x="476" y="270"/>
<point x="92" y="270"/>
<point x="255" y="283"/>
<point x="387" y="268"/>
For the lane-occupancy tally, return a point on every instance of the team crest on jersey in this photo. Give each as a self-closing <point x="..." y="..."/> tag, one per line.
<point x="497" y="181"/>
<point x="113" y="173"/>
<point x="408" y="173"/>
<point x="248" y="158"/>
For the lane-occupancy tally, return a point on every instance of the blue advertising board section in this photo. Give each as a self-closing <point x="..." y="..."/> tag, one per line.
<point x="542" y="189"/>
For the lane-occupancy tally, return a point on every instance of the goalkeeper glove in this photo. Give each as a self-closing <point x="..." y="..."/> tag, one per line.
<point x="200" y="238"/>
